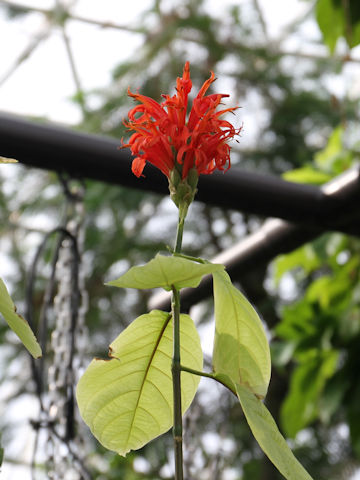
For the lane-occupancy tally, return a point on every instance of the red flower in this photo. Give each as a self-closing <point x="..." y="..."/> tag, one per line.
<point x="164" y="138"/>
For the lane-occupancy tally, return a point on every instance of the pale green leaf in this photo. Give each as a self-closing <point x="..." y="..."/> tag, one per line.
<point x="17" y="323"/>
<point x="225" y="380"/>
<point x="127" y="400"/>
<point x="307" y="174"/>
<point x="165" y="271"/>
<point x="241" y="350"/>
<point x="334" y="147"/>
<point x="268" y="436"/>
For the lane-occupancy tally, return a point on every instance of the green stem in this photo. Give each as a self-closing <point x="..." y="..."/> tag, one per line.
<point x="193" y="259"/>
<point x="179" y="235"/>
<point x="197" y="372"/>
<point x="206" y="375"/>
<point x="175" y="368"/>
<point x="176" y="376"/>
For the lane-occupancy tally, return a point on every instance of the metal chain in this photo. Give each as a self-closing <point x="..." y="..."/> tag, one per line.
<point x="68" y="340"/>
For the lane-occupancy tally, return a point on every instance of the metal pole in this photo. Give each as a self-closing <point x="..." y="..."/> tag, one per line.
<point x="276" y="237"/>
<point x="90" y="156"/>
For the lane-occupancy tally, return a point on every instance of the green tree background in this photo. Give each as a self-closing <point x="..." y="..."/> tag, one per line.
<point x="309" y="299"/>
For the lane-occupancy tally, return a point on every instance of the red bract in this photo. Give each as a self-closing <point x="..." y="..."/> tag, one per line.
<point x="163" y="137"/>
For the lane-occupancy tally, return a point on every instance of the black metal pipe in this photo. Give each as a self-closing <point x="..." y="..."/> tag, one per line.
<point x="272" y="239"/>
<point x="314" y="210"/>
<point x="276" y="237"/>
<point x="89" y="156"/>
<point x="79" y="154"/>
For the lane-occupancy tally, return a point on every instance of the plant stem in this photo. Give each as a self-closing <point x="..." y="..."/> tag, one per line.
<point x="176" y="376"/>
<point x="197" y="372"/>
<point x="179" y="235"/>
<point x="193" y="259"/>
<point x="175" y="368"/>
<point x="207" y="375"/>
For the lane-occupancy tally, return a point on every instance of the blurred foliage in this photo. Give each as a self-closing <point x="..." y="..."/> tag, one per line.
<point x="337" y="18"/>
<point x="310" y="298"/>
<point x="321" y="327"/>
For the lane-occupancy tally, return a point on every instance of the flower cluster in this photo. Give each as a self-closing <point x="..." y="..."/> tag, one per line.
<point x="169" y="139"/>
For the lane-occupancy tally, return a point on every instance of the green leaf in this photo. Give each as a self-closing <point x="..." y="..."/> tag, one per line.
<point x="269" y="437"/>
<point x="241" y="350"/>
<point x="330" y="18"/>
<point x="127" y="400"/>
<point x="301" y="406"/>
<point x="335" y="157"/>
<point x="334" y="147"/>
<point x="326" y="290"/>
<point x="164" y="272"/>
<point x="333" y="395"/>
<point x="17" y="323"/>
<point x="339" y="19"/>
<point x="297" y="322"/>
<point x="307" y="174"/>
<point x="304" y="257"/>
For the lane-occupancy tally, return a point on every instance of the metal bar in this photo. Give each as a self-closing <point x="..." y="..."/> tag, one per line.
<point x="275" y="237"/>
<point x="308" y="210"/>
<point x="272" y="239"/>
<point x="57" y="148"/>
<point x="89" y="156"/>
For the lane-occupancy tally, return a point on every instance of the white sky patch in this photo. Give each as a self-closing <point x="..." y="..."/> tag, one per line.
<point x="43" y="84"/>
<point x="277" y="17"/>
<point x="120" y="12"/>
